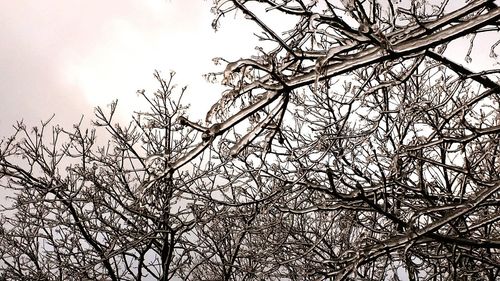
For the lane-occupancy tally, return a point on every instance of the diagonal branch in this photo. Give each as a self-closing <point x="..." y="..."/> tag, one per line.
<point x="364" y="58"/>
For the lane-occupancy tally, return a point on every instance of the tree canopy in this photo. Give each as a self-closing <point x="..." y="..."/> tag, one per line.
<point x="360" y="142"/>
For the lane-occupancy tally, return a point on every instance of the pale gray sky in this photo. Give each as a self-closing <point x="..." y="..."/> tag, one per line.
<point x="68" y="56"/>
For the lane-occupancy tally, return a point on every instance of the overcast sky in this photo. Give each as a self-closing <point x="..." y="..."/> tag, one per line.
<point x="68" y="56"/>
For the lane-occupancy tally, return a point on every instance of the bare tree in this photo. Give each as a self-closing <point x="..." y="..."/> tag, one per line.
<point x="353" y="146"/>
<point x="85" y="211"/>
<point x="369" y="153"/>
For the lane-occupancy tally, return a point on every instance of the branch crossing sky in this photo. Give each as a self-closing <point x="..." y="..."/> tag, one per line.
<point x="68" y="56"/>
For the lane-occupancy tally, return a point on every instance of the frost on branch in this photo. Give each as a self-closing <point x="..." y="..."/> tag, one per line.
<point x="386" y="133"/>
<point x="357" y="144"/>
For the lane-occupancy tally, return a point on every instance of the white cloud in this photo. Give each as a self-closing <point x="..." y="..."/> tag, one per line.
<point x="68" y="56"/>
